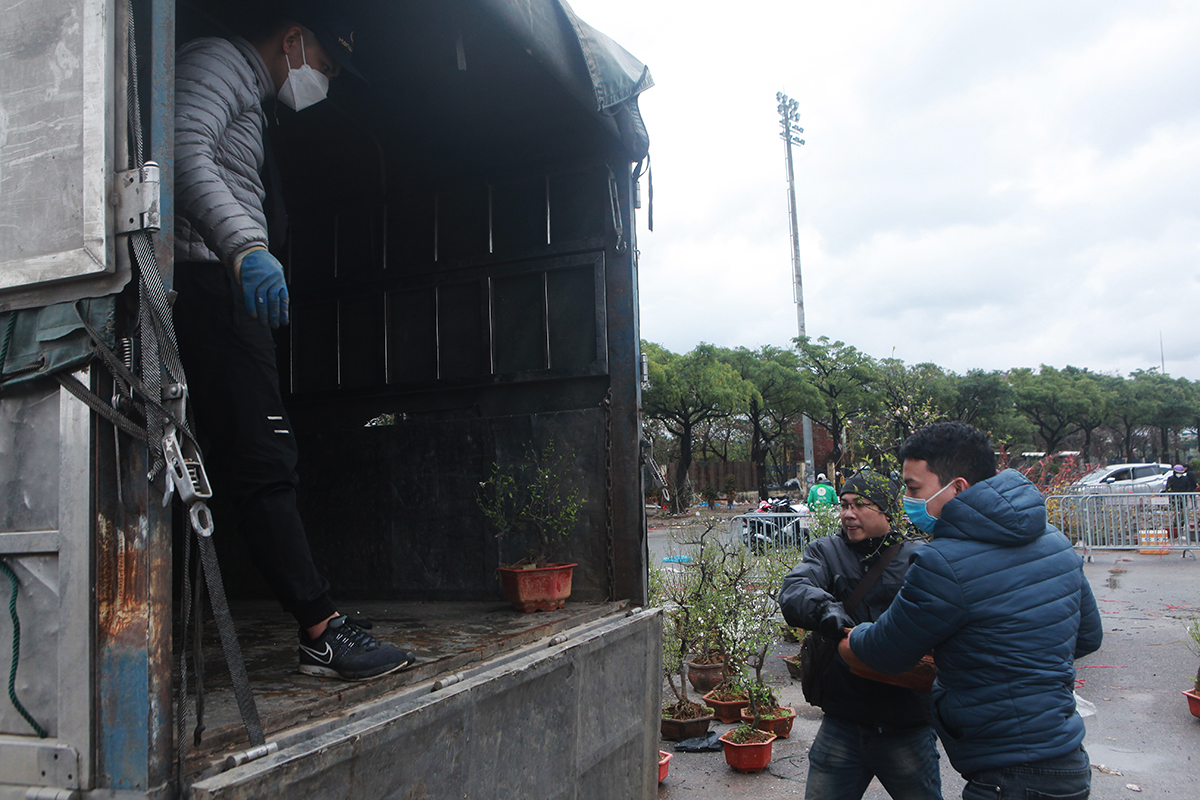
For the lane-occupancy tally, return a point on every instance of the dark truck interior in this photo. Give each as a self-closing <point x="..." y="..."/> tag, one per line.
<point x="463" y="285"/>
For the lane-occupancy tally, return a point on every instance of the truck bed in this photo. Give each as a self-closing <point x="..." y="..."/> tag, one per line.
<point x="446" y="636"/>
<point x="573" y="691"/>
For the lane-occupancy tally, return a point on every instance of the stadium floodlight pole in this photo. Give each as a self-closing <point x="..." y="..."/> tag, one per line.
<point x="789" y="119"/>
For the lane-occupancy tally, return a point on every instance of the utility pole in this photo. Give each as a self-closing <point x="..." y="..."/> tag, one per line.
<point x="789" y="119"/>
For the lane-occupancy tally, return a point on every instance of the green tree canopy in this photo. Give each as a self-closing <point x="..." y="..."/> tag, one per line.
<point x="779" y="395"/>
<point x="687" y="391"/>
<point x="842" y="377"/>
<point x="1054" y="401"/>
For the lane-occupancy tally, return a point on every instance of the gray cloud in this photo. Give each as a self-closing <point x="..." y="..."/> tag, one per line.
<point x="984" y="185"/>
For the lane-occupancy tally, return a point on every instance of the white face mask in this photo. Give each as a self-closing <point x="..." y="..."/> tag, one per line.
<point x="303" y="87"/>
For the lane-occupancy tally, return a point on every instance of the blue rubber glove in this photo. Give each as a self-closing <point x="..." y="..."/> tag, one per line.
<point x="264" y="289"/>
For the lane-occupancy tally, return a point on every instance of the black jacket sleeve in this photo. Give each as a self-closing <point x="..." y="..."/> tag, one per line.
<point x="802" y="596"/>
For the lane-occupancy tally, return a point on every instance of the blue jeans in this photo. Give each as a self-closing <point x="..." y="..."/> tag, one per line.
<point x="1067" y="777"/>
<point x="844" y="757"/>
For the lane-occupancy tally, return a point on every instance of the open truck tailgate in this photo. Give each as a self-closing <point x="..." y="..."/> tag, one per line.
<point x="576" y="705"/>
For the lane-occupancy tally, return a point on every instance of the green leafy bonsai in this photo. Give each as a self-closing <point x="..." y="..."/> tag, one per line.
<point x="531" y="500"/>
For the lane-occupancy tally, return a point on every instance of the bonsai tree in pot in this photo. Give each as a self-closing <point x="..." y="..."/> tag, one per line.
<point x="696" y="587"/>
<point x="732" y="567"/>
<point x="531" y="502"/>
<point x="747" y="612"/>
<point x="747" y="749"/>
<point x="749" y="616"/>
<point x="679" y="595"/>
<point x="765" y="713"/>
<point x="728" y="699"/>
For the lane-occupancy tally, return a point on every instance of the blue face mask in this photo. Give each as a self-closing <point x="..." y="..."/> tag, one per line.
<point x="914" y="507"/>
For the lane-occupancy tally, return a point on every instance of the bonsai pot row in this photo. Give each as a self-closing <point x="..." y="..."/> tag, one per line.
<point x="748" y="746"/>
<point x="717" y="631"/>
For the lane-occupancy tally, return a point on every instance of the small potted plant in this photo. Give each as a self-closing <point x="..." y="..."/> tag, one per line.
<point x="765" y="713"/>
<point x="709" y="495"/>
<point x="1193" y="643"/>
<point x="730" y="489"/>
<point x="530" y="501"/>
<point x="747" y="749"/>
<point x="728" y="700"/>
<point x="794" y="666"/>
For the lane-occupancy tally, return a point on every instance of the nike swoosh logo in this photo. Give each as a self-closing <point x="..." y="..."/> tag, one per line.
<point x="324" y="656"/>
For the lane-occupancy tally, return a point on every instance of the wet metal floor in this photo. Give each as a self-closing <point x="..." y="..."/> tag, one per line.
<point x="446" y="637"/>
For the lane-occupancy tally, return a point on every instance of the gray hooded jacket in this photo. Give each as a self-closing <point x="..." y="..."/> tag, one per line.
<point x="220" y="85"/>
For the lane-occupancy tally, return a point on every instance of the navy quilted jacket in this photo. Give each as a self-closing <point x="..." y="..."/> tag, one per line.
<point x="1000" y="598"/>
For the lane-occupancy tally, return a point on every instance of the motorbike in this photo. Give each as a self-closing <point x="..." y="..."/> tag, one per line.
<point x="781" y="525"/>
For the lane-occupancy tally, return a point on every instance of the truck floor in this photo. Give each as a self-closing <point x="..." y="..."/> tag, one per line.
<point x="446" y="636"/>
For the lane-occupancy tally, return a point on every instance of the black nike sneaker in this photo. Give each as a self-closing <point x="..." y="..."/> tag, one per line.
<point x="348" y="652"/>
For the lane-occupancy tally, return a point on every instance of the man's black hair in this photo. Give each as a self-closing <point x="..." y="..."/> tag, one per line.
<point x="952" y="450"/>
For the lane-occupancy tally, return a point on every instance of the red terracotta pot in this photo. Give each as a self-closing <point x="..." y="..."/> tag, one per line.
<point x="705" y="677"/>
<point x="1193" y="702"/>
<point x="726" y="711"/>
<point x="543" y="589"/>
<point x="664" y="764"/>
<point x="747" y="757"/>
<point x="780" y="726"/>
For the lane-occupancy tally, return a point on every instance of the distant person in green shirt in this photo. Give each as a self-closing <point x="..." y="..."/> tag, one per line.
<point x="822" y="493"/>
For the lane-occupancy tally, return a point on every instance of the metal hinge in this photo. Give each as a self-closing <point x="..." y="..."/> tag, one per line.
<point x="136" y="198"/>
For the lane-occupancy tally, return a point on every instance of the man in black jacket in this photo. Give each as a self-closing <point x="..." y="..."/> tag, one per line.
<point x="870" y="729"/>
<point x="1180" y="480"/>
<point x="232" y="292"/>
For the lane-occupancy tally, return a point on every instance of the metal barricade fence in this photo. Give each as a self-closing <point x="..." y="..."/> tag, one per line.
<point x="761" y="530"/>
<point x="1148" y="522"/>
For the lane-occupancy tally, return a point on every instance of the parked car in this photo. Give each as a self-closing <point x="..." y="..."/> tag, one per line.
<point x="1115" y="478"/>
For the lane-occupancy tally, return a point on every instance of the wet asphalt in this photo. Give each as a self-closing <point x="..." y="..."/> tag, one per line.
<point x="1142" y="734"/>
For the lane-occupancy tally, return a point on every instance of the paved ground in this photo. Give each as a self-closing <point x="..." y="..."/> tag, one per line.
<point x="1141" y="735"/>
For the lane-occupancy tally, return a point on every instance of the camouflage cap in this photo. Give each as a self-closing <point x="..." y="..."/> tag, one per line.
<point x="883" y="492"/>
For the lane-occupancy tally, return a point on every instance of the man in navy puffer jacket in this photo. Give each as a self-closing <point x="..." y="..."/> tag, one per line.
<point x="1000" y="599"/>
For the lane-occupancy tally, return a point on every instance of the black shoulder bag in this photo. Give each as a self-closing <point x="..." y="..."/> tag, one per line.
<point x="816" y="651"/>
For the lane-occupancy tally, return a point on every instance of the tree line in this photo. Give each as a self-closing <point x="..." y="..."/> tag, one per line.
<point x="738" y="404"/>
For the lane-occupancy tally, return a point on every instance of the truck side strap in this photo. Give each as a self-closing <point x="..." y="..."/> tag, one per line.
<point x="166" y="419"/>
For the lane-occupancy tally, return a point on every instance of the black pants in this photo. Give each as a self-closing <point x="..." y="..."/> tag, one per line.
<point x="248" y="445"/>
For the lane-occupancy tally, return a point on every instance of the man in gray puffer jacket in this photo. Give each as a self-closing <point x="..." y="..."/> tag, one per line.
<point x="232" y="292"/>
<point x="870" y="729"/>
<point x="1000" y="598"/>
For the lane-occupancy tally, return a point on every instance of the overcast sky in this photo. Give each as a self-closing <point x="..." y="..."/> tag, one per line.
<point x="984" y="184"/>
